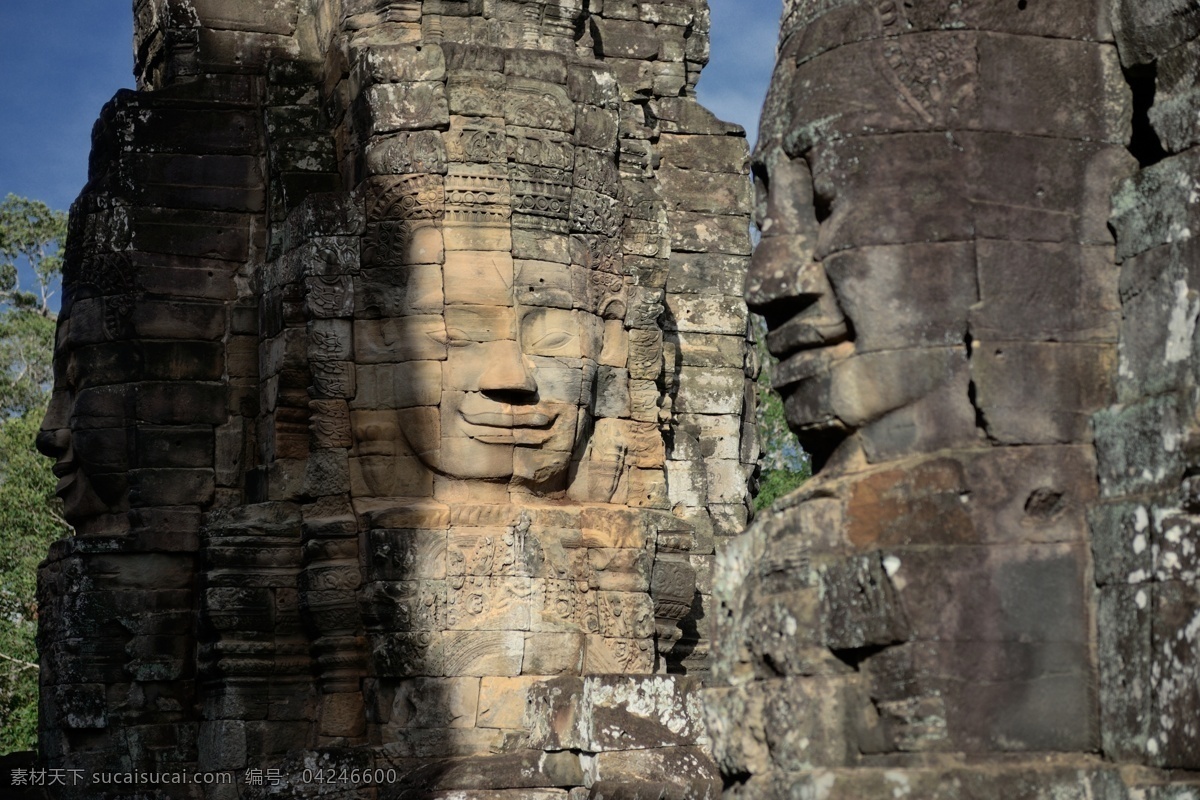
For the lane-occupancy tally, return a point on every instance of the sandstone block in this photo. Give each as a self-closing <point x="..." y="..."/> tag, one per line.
<point x="857" y="177"/>
<point x="408" y="655"/>
<point x="435" y="703"/>
<point x="706" y="313"/>
<point x="502" y="701"/>
<point x="412" y="105"/>
<point x="1124" y="656"/>
<point x="413" y="152"/>
<point x="1173" y="670"/>
<point x="699" y="232"/>
<point x="710" y="391"/>
<point x="683" y="772"/>
<point x="408" y="605"/>
<point x="553" y="654"/>
<point x="407" y="554"/>
<point x="1075" y="381"/>
<point x="1137" y="446"/>
<point x="705" y="153"/>
<point x="620" y="569"/>
<point x="245" y="51"/>
<point x="1017" y="281"/>
<point x="606" y="713"/>
<point x="495" y="653"/>
<point x="404" y="63"/>
<point x="1053" y="191"/>
<point x="608" y="656"/>
<point x="931" y="286"/>
<point x="1146" y="31"/>
<point x="1154" y="358"/>
<point x="625" y="39"/>
<point x="1057" y="108"/>
<point x="80" y="706"/>
<point x="413" y="383"/>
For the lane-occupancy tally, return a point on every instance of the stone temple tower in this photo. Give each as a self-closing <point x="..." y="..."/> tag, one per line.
<point x="399" y="399"/>
<point x="978" y="274"/>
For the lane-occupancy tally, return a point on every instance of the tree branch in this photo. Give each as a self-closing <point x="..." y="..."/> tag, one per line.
<point x="21" y="663"/>
<point x="60" y="520"/>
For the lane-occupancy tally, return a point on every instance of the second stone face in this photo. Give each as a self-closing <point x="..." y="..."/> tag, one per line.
<point x="940" y="284"/>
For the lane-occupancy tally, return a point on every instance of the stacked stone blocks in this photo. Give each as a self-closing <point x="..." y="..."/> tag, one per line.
<point x="391" y="215"/>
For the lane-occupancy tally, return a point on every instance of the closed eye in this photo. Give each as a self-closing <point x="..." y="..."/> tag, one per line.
<point x="553" y="340"/>
<point x="453" y="337"/>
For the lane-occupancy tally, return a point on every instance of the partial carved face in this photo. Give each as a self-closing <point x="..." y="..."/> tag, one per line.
<point x="863" y="276"/>
<point x="90" y="452"/>
<point x="505" y="372"/>
<point x="516" y="377"/>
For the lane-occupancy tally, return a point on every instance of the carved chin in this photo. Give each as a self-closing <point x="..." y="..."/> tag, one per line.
<point x="79" y="498"/>
<point x="538" y="466"/>
<point x="463" y="457"/>
<point x="471" y="458"/>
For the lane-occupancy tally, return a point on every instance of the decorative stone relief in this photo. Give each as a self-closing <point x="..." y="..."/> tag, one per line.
<point x="368" y="390"/>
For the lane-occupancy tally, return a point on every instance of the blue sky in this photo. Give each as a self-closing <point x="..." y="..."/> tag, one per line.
<point x="734" y="83"/>
<point x="63" y="59"/>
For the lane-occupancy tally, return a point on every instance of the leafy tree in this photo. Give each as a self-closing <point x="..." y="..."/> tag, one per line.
<point x="31" y="239"/>
<point x="29" y="521"/>
<point x="26" y="360"/>
<point x="31" y="233"/>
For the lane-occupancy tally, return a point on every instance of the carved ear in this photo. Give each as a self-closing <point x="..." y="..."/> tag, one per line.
<point x="609" y="296"/>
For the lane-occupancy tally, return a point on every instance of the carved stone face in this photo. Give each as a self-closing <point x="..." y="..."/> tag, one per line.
<point x="493" y="369"/>
<point x="864" y="274"/>
<point x="90" y="452"/>
<point x="516" y="378"/>
<point x="56" y="441"/>
<point x="484" y="288"/>
<point x="869" y="339"/>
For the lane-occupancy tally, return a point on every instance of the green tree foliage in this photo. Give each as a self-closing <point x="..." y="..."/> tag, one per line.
<point x="32" y="234"/>
<point x="784" y="464"/>
<point x="29" y="521"/>
<point x="31" y="239"/>
<point x="26" y="350"/>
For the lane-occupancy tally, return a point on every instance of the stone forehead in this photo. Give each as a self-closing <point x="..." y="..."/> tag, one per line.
<point x="530" y="152"/>
<point x="798" y="14"/>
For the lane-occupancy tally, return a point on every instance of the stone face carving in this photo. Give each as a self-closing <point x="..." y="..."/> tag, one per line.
<point x="950" y="309"/>
<point x="516" y="341"/>
<point x="404" y="354"/>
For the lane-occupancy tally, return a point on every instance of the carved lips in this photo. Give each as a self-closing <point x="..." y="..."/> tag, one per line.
<point x="531" y="428"/>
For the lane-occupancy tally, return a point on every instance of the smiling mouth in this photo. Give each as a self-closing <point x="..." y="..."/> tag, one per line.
<point x="806" y="332"/>
<point x="528" y="428"/>
<point x="66" y="478"/>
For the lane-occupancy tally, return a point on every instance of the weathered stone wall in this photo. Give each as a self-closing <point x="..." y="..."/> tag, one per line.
<point x="401" y="370"/>
<point x="985" y="591"/>
<point x="1144" y="529"/>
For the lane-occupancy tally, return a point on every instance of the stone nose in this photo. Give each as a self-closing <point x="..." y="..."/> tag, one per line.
<point x="784" y="276"/>
<point x="53" y="443"/>
<point x="786" y="200"/>
<point x="507" y="371"/>
<point x="784" y="270"/>
<point x="54" y="438"/>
